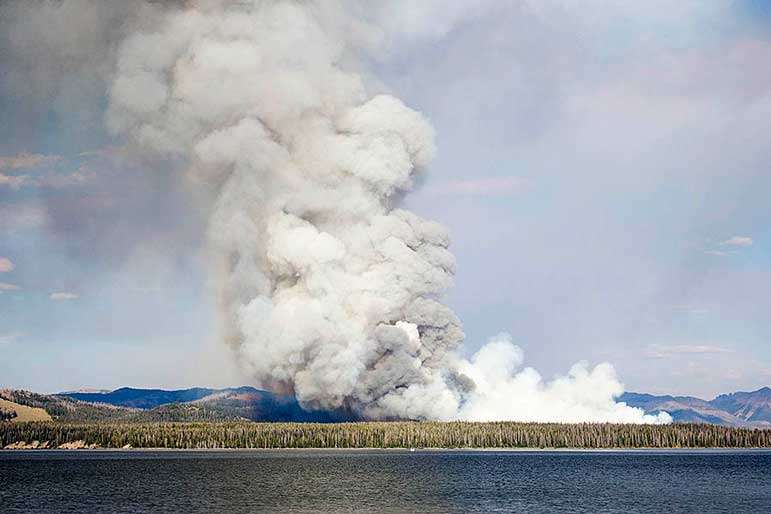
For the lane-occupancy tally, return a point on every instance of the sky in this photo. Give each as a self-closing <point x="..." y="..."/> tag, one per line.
<point x="602" y="168"/>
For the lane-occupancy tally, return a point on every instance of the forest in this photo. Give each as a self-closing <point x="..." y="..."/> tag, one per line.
<point x="380" y="435"/>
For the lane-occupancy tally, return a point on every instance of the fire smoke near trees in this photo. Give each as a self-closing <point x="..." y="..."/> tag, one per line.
<point x="327" y="288"/>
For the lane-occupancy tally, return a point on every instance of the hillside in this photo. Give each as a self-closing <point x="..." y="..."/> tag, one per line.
<point x="153" y="405"/>
<point x="754" y="407"/>
<point x="65" y="409"/>
<point x="742" y="409"/>
<point x="17" y="413"/>
<point x="683" y="409"/>
<point x="201" y="403"/>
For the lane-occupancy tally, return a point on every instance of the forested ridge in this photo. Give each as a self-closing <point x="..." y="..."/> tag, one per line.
<point x="239" y="404"/>
<point x="382" y="435"/>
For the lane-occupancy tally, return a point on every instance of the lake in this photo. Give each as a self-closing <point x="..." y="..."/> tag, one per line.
<point x="387" y="481"/>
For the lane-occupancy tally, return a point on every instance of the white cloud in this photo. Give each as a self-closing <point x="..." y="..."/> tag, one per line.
<point x="10" y="337"/>
<point x="50" y="179"/>
<point x="690" y="309"/>
<point x="12" y="181"/>
<point x="63" y="295"/>
<point x="5" y="286"/>
<point x="738" y="241"/>
<point x="716" y="253"/>
<point x="6" y="265"/>
<point x="662" y="351"/>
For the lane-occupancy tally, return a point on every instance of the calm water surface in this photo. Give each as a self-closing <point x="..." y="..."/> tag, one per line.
<point x="225" y="482"/>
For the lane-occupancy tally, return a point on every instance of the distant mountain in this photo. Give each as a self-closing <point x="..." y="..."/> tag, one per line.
<point x="683" y="409"/>
<point x="87" y="391"/>
<point x="751" y="409"/>
<point x="210" y="404"/>
<point x="741" y="409"/>
<point x="141" y="398"/>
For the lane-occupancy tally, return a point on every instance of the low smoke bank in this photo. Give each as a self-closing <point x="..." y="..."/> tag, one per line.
<point x="327" y="288"/>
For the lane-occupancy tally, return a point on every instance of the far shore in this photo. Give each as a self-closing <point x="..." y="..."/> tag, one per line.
<point x="387" y="450"/>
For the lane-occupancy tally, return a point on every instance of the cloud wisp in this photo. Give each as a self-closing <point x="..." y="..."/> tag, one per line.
<point x="45" y="171"/>
<point x="664" y="351"/>
<point x="739" y="241"/>
<point x="731" y="246"/>
<point x="6" y="265"/>
<point x="10" y="337"/>
<point x="12" y="181"/>
<point x="63" y="296"/>
<point x="26" y="160"/>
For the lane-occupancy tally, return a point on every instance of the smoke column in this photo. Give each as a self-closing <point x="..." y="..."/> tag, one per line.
<point x="327" y="289"/>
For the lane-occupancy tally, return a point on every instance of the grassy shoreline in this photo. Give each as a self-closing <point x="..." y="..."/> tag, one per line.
<point x="376" y="435"/>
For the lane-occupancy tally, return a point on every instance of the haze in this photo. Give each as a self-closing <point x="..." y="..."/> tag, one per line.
<point x="602" y="169"/>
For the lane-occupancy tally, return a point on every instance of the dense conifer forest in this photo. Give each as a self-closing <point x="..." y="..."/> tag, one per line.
<point x="78" y="424"/>
<point x="381" y="435"/>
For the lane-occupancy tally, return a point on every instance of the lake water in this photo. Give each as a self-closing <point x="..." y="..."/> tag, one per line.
<point x="394" y="482"/>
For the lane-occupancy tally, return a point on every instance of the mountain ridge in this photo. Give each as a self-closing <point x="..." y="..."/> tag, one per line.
<point x="738" y="409"/>
<point x="244" y="402"/>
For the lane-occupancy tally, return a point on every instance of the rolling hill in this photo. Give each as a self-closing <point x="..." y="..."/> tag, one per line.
<point x="17" y="412"/>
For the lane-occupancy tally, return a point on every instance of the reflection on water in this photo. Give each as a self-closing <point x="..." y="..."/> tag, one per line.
<point x="386" y="481"/>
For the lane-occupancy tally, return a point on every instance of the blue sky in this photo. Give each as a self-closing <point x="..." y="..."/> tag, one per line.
<point x="603" y="170"/>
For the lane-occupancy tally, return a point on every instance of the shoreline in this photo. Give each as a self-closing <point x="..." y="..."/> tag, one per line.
<point x="725" y="449"/>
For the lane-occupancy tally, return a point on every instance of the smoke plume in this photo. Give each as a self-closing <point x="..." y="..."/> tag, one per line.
<point x="327" y="288"/>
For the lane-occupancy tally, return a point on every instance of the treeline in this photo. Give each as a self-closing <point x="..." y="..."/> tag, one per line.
<point x="7" y="414"/>
<point x="184" y="413"/>
<point x="384" y="435"/>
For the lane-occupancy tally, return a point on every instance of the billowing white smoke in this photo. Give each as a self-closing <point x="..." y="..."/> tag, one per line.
<point x="327" y="290"/>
